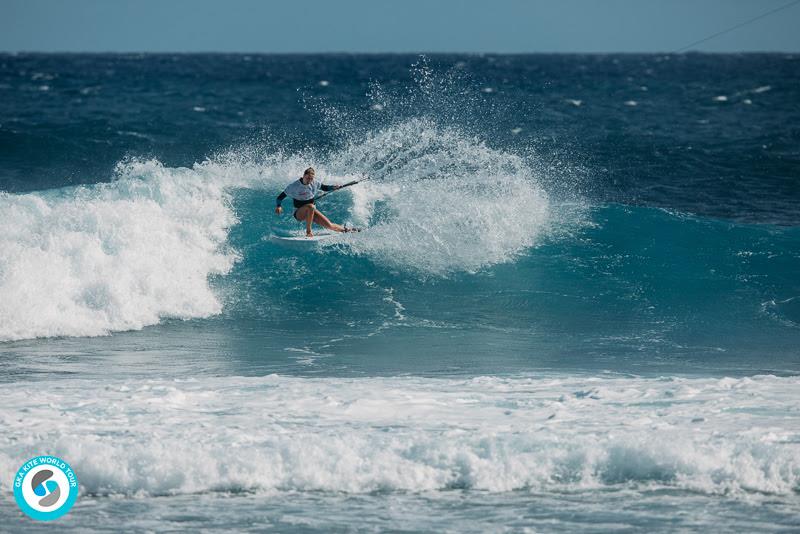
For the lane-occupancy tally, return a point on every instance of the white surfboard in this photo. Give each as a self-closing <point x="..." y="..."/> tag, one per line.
<point x="300" y="240"/>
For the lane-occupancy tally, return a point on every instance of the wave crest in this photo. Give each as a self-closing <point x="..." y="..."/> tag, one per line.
<point x="118" y="256"/>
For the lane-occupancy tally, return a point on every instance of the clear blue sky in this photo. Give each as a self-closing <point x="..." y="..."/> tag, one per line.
<point x="393" y="26"/>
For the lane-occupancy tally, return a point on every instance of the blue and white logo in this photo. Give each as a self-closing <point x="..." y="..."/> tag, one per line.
<point x="45" y="487"/>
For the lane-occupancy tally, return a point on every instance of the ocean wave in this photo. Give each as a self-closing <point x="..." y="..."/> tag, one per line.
<point x="86" y="261"/>
<point x="142" y="437"/>
<point x="118" y="256"/>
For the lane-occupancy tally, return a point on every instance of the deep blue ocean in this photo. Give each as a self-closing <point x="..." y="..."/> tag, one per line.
<point x="574" y="304"/>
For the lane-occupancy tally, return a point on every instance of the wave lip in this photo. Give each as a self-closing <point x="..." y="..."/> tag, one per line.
<point x="139" y="437"/>
<point x="117" y="256"/>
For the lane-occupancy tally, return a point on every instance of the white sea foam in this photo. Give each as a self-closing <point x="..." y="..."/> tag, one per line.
<point x="116" y="256"/>
<point x="141" y="437"/>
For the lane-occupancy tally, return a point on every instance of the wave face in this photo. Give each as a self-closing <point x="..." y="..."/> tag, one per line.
<point x="730" y="437"/>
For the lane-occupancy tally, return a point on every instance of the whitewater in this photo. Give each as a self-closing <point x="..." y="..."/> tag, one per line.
<point x="735" y="439"/>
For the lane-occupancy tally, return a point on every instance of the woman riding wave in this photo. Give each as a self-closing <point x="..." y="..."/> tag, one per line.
<point x="303" y="192"/>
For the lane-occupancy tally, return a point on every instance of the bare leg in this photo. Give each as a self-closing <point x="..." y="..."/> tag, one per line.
<point x="309" y="214"/>
<point x="309" y="219"/>
<point x="305" y="214"/>
<point x="321" y="220"/>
